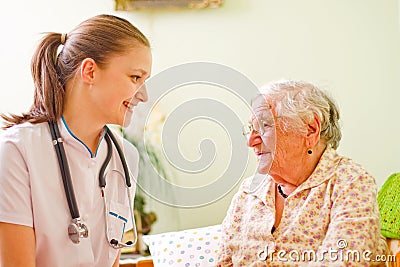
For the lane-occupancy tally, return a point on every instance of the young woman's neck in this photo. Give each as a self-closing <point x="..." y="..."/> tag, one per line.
<point x="81" y="120"/>
<point x="83" y="126"/>
<point x="80" y="116"/>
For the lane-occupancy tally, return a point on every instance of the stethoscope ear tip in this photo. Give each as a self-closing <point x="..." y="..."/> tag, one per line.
<point x="116" y="244"/>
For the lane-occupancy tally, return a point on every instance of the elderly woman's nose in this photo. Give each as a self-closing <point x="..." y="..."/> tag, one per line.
<point x="254" y="139"/>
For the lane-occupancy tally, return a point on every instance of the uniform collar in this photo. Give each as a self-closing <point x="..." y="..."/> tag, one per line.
<point x="69" y="137"/>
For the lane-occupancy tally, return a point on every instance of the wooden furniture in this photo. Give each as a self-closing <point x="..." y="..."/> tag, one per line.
<point x="145" y="263"/>
<point x="394" y="252"/>
<point x="134" y="5"/>
<point x="139" y="262"/>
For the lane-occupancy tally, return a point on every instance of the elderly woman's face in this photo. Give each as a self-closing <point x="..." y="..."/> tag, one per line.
<point x="277" y="151"/>
<point x="262" y="135"/>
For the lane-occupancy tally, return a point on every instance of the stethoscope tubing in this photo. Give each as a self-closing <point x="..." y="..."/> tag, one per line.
<point x="77" y="229"/>
<point x="121" y="156"/>
<point x="64" y="168"/>
<point x="102" y="180"/>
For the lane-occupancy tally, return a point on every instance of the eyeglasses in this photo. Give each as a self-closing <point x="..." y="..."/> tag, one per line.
<point x="260" y="127"/>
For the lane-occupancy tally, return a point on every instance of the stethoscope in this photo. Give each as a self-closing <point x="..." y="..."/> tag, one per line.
<point x="78" y="229"/>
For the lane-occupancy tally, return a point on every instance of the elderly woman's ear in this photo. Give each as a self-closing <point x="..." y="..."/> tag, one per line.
<point x="313" y="132"/>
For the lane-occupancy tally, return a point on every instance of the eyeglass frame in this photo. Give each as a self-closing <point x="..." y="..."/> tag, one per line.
<point x="248" y="128"/>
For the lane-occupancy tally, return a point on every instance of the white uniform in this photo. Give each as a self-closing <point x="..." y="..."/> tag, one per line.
<point x="32" y="194"/>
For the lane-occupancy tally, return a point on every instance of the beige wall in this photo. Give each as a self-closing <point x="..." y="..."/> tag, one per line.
<point x="351" y="47"/>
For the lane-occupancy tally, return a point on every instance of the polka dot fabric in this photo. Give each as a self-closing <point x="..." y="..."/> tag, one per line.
<point x="188" y="248"/>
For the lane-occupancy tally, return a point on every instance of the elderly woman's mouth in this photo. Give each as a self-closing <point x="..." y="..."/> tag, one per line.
<point x="261" y="153"/>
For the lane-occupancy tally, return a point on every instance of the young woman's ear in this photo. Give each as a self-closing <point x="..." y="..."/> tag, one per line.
<point x="87" y="70"/>
<point x="313" y="131"/>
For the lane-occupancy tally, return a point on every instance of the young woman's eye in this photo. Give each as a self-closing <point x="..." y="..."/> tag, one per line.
<point x="135" y="78"/>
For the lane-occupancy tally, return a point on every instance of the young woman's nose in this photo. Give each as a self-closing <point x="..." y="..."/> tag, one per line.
<point x="141" y="94"/>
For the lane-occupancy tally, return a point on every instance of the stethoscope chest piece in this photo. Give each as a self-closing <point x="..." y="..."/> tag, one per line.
<point x="77" y="230"/>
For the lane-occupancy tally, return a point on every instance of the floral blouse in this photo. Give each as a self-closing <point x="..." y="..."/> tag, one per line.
<point x="332" y="219"/>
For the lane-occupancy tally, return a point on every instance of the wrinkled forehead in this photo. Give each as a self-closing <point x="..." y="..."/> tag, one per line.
<point x="262" y="107"/>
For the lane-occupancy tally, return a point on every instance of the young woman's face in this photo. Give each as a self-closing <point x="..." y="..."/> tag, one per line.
<point x="120" y="85"/>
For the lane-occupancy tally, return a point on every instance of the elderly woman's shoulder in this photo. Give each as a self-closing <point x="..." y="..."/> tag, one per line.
<point x="348" y="170"/>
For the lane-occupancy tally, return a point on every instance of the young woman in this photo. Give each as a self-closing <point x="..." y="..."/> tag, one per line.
<point x="63" y="197"/>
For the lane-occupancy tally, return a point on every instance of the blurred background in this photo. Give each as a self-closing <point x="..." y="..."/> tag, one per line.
<point x="349" y="47"/>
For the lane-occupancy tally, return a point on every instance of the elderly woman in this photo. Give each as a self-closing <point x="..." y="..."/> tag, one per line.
<point x="314" y="207"/>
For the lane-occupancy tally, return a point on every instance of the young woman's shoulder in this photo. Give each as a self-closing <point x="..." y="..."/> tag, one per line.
<point x="130" y="150"/>
<point x="25" y="132"/>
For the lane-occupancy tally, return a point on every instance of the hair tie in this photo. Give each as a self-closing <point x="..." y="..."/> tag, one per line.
<point x="63" y="38"/>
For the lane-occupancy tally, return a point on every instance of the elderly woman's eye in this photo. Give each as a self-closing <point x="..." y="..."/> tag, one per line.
<point x="266" y="124"/>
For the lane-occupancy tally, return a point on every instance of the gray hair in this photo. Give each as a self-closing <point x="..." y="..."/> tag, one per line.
<point x="298" y="102"/>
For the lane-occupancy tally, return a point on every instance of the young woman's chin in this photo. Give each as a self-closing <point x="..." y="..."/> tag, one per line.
<point x="126" y="118"/>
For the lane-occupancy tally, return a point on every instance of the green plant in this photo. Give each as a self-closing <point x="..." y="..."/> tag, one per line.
<point x="155" y="162"/>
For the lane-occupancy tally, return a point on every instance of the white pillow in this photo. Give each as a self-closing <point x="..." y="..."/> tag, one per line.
<point x="195" y="247"/>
